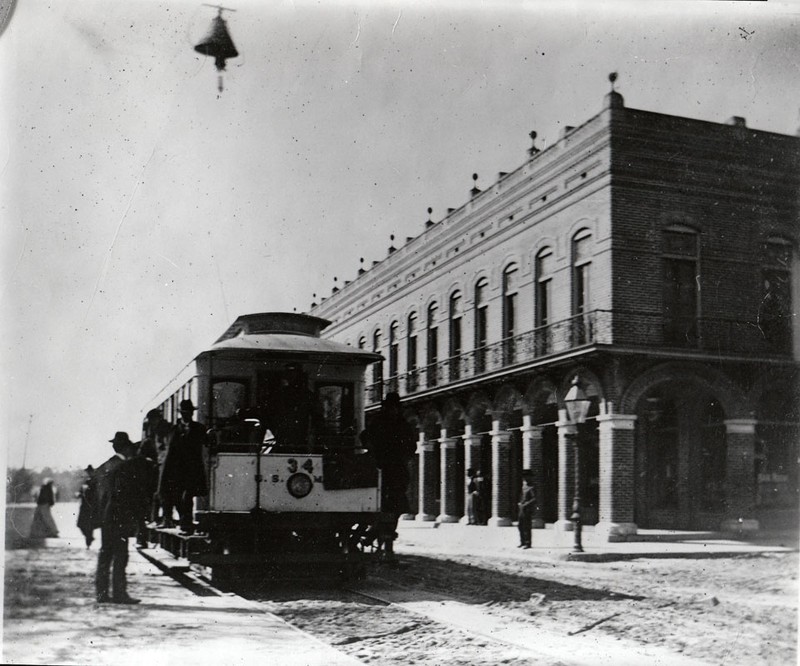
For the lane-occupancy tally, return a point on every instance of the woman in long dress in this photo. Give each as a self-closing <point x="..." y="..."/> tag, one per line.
<point x="43" y="525"/>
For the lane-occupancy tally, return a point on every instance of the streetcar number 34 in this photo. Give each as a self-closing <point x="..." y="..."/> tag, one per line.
<point x="308" y="466"/>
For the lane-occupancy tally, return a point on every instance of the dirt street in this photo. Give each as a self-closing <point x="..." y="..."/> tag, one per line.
<point x="731" y="610"/>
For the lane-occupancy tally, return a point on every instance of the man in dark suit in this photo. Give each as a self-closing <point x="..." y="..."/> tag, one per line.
<point x="185" y="462"/>
<point x="119" y="501"/>
<point x="392" y="442"/>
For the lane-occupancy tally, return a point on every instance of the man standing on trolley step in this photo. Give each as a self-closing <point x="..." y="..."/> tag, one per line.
<point x="186" y="457"/>
<point x="119" y="501"/>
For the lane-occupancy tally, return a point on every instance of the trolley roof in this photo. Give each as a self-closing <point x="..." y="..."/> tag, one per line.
<point x="287" y="333"/>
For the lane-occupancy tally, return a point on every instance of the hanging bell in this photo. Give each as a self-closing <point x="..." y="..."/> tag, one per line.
<point x="218" y="44"/>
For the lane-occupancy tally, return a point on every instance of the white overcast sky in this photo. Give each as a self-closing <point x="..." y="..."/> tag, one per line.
<point x="142" y="212"/>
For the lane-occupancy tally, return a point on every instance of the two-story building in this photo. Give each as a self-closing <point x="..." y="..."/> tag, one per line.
<point x="655" y="258"/>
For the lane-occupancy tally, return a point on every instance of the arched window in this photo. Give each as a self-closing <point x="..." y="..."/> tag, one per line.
<point x="411" y="352"/>
<point x="455" y="335"/>
<point x="681" y="279"/>
<point x="481" y="323"/>
<point x="377" y="368"/>
<point x="394" y="348"/>
<point x="775" y="309"/>
<point x="362" y="342"/>
<point x="432" y="344"/>
<point x="581" y="265"/>
<point x="510" y="276"/>
<point x="542" y="300"/>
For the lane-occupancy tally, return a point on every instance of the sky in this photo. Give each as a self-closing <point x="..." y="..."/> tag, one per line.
<point x="142" y="210"/>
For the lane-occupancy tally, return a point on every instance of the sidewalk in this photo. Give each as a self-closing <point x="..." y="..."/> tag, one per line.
<point x="455" y="539"/>
<point x="50" y="616"/>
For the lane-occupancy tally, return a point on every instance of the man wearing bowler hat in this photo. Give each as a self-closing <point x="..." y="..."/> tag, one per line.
<point x="185" y="458"/>
<point x="119" y="500"/>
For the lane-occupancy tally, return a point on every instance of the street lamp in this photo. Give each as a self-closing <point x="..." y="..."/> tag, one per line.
<point x="577" y="404"/>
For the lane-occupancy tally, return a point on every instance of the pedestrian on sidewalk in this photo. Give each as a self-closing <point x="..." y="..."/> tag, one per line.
<point x="43" y="525"/>
<point x="85" y="521"/>
<point x="480" y="504"/>
<point x="119" y="501"/>
<point x="527" y="503"/>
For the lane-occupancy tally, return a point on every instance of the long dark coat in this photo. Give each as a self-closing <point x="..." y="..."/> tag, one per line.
<point x="184" y="470"/>
<point x="392" y="442"/>
<point x="119" y="497"/>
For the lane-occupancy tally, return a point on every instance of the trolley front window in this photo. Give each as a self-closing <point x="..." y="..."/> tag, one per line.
<point x="228" y="396"/>
<point x="336" y="414"/>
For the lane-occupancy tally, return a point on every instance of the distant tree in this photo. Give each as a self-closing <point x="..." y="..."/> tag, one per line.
<point x="19" y="486"/>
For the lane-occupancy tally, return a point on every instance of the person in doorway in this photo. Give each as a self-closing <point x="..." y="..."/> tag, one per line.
<point x="119" y="500"/>
<point x="43" y="525"/>
<point x="471" y="518"/>
<point x="391" y="441"/>
<point x="527" y="504"/>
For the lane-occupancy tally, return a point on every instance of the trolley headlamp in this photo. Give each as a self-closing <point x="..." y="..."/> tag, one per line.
<point x="299" y="485"/>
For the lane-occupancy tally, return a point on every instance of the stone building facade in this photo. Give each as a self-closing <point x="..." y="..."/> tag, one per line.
<point x="653" y="257"/>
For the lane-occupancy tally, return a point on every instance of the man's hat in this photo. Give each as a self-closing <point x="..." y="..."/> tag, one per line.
<point x="121" y="438"/>
<point x="392" y="398"/>
<point x="186" y="406"/>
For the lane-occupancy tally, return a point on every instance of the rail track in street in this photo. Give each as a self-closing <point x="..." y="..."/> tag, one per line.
<point x="380" y="621"/>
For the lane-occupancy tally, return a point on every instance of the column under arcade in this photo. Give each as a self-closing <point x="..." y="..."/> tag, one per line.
<point x="451" y="481"/>
<point x="501" y="476"/>
<point x="566" y="471"/>
<point x="426" y="450"/>
<point x="617" y="476"/>
<point x="533" y="462"/>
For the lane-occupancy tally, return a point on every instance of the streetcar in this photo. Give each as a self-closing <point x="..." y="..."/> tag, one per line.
<point x="290" y="488"/>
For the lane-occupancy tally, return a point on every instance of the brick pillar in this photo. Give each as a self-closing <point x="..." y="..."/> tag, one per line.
<point x="532" y="460"/>
<point x="617" y="464"/>
<point x="472" y="459"/>
<point x="566" y="471"/>
<point x="501" y="476"/>
<point x="450" y="487"/>
<point x="740" y="488"/>
<point x="427" y="480"/>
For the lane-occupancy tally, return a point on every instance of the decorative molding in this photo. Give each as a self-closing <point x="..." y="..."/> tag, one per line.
<point x="617" y="421"/>
<point x="740" y="426"/>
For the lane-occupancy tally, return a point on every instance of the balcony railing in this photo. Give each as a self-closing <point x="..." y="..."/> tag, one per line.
<point x="622" y="328"/>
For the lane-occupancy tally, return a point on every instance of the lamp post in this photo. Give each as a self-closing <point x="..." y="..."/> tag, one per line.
<point x="577" y="404"/>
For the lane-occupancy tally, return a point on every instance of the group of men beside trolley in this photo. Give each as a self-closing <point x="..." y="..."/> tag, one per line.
<point x="147" y="481"/>
<point x="143" y="482"/>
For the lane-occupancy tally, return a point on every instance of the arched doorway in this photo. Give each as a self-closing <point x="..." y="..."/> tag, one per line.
<point x="681" y="457"/>
<point x="776" y="458"/>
